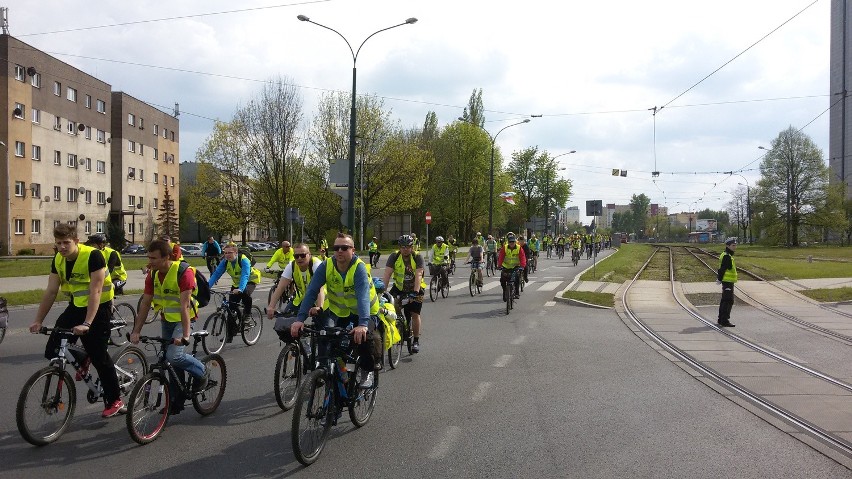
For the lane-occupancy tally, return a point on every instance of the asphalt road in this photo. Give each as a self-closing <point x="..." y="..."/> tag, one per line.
<point x="549" y="391"/>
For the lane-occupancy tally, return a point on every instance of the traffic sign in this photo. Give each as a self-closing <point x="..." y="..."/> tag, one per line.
<point x="428" y="218"/>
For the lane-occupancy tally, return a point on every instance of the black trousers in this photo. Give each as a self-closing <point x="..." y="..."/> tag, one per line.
<point x="727" y="301"/>
<point x="94" y="342"/>
<point x="504" y="278"/>
<point x="369" y="352"/>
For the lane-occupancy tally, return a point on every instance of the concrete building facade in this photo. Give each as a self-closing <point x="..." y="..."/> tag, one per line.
<point x="840" y="82"/>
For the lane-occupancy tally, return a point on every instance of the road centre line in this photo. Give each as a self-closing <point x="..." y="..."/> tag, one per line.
<point x="502" y="361"/>
<point x="480" y="392"/>
<point x="442" y="448"/>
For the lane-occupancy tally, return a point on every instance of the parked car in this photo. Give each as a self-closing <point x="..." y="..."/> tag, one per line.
<point x="133" y="249"/>
<point x="191" y="250"/>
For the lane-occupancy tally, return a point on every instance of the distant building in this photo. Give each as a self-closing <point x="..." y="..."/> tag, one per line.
<point x="840" y="82"/>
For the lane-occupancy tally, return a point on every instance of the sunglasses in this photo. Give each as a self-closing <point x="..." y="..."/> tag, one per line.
<point x="300" y="255"/>
<point x="341" y="247"/>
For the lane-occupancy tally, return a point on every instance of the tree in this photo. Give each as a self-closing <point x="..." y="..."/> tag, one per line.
<point x="639" y="205"/>
<point x="318" y="204"/>
<point x="474" y="112"/>
<point x="535" y="180"/>
<point x="737" y="212"/>
<point x="168" y="219"/>
<point x="793" y="178"/>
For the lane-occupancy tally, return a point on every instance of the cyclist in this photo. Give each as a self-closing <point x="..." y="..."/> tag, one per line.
<point x="416" y="244"/>
<point x="511" y="256"/>
<point x="528" y="254"/>
<point x="373" y="249"/>
<point x="589" y="242"/>
<point x="244" y="278"/>
<point x="576" y="245"/>
<point x="454" y="248"/>
<point x="211" y="251"/>
<point x="475" y="256"/>
<point x="441" y="257"/>
<point x="406" y="267"/>
<point x="490" y="248"/>
<point x="306" y="265"/>
<point x="170" y="290"/>
<point x="323" y="249"/>
<point x="115" y="269"/>
<point x="535" y="246"/>
<point x="547" y="242"/>
<point x="282" y="256"/>
<point x="351" y="299"/>
<point x="560" y="245"/>
<point x="82" y="275"/>
<point x="479" y="239"/>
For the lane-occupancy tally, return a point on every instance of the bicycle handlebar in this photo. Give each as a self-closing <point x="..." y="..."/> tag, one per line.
<point x="158" y="339"/>
<point x="46" y="330"/>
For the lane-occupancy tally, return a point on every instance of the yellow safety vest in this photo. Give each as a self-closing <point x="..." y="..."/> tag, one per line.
<point x="301" y="285"/>
<point x="730" y="275"/>
<point x="235" y="270"/>
<point x="281" y="258"/>
<point x="374" y="248"/>
<point x="510" y="257"/>
<point x="118" y="273"/>
<point x="340" y="292"/>
<point x="78" y="286"/>
<point x="167" y="294"/>
<point x="399" y="272"/>
<point x="439" y="253"/>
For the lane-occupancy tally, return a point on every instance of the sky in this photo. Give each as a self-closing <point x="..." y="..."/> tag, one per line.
<point x="593" y="71"/>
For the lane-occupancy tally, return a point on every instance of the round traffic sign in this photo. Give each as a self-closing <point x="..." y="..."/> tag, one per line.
<point x="428" y="218"/>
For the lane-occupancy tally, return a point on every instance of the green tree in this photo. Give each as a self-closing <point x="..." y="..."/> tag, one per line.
<point x="474" y="112"/>
<point x="639" y="206"/>
<point x="318" y="204"/>
<point x="168" y="219"/>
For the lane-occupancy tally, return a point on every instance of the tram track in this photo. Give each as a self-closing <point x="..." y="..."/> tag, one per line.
<point x="812" y="425"/>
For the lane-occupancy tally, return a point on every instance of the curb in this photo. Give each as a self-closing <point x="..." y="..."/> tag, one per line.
<point x="576" y="302"/>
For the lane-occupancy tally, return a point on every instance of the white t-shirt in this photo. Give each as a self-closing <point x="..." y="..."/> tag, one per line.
<point x="288" y="271"/>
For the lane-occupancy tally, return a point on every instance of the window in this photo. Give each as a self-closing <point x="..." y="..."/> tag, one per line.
<point x="141" y="123"/>
<point x="36" y="153"/>
<point x="165" y="133"/>
<point x="56" y="223"/>
<point x="57" y="157"/>
<point x="141" y="203"/>
<point x="36" y="190"/>
<point x="101" y="197"/>
<point x="88" y="163"/>
<point x="88" y="196"/>
<point x="131" y="201"/>
<point x="57" y="123"/>
<point x="173" y="180"/>
<point x="101" y="136"/>
<point x="131" y="146"/>
<point x="19" y="227"/>
<point x="20" y="73"/>
<point x="156" y="155"/>
<point x="131" y="172"/>
<point x="130" y="228"/>
<point x="20" y="188"/>
<point x="36" y="115"/>
<point x="172" y="133"/>
<point x="57" y="88"/>
<point x="100" y="226"/>
<point x="131" y="119"/>
<point x="71" y="94"/>
<point x="156" y="129"/>
<point x="35" y="80"/>
<point x="72" y="128"/>
<point x="88" y="132"/>
<point x="141" y="149"/>
<point x="156" y="179"/>
<point x="19" y="148"/>
<point x="57" y="193"/>
<point x="72" y="160"/>
<point x="165" y="179"/>
<point x="19" y="108"/>
<point x="101" y="106"/>
<point x="88" y="227"/>
<point x="88" y="101"/>
<point x="155" y="203"/>
<point x="141" y="175"/>
<point x="141" y="228"/>
<point x="101" y="166"/>
<point x="165" y="157"/>
<point x="36" y="227"/>
<point x="72" y="195"/>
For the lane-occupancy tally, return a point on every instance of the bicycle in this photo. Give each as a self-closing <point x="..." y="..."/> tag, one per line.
<point x="212" y="262"/>
<point x="121" y="316"/>
<point x="295" y="360"/>
<point x="439" y="282"/>
<point x="403" y="325"/>
<point x="533" y="263"/>
<point x="48" y="399"/>
<point x="150" y="403"/>
<point x="227" y="313"/>
<point x="473" y="283"/>
<point x="489" y="263"/>
<point x="560" y="251"/>
<point x="575" y="256"/>
<point x="291" y="291"/>
<point x="153" y="312"/>
<point x="4" y="318"/>
<point x="332" y="386"/>
<point x="509" y="289"/>
<point x="549" y="249"/>
<point x="452" y="266"/>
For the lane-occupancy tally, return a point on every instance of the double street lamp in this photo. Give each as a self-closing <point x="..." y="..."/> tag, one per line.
<point x="491" y="183"/>
<point x="350" y="209"/>
<point x="748" y="203"/>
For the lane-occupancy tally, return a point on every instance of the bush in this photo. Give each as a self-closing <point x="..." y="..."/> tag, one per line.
<point x="26" y="252"/>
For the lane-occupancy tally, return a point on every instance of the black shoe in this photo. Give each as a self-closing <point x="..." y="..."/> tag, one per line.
<point x="198" y="384"/>
<point x="725" y="324"/>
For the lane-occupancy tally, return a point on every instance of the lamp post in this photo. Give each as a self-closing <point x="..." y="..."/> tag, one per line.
<point x="748" y="203"/>
<point x="491" y="183"/>
<point x="350" y="209"/>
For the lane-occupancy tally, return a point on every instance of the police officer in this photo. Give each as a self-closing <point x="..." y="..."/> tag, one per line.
<point x="727" y="276"/>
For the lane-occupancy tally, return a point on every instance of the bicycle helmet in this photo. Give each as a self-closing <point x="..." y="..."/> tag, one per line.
<point x="379" y="284"/>
<point x="406" y="240"/>
<point x="97" y="238"/>
<point x="511" y="237"/>
<point x="439" y="239"/>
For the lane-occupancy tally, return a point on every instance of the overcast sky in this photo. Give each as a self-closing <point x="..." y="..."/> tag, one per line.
<point x="592" y="69"/>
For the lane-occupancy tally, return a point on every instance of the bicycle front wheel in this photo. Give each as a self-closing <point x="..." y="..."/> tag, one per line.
<point x="208" y="399"/>
<point x="362" y="399"/>
<point x="445" y="287"/>
<point x="288" y="375"/>
<point x="471" y="284"/>
<point x="217" y="327"/>
<point x="433" y="288"/>
<point x="395" y="351"/>
<point x="313" y="415"/>
<point x="152" y="313"/>
<point x="252" y="326"/>
<point x="2" y="334"/>
<point x="123" y="315"/>
<point x="148" y="408"/>
<point x="46" y="406"/>
<point x="130" y="366"/>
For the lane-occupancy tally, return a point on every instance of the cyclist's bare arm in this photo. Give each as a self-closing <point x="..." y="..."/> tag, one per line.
<point x="47" y="301"/>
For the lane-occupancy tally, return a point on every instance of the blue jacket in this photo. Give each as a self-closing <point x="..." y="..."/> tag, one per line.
<point x="245" y="271"/>
<point x="362" y="291"/>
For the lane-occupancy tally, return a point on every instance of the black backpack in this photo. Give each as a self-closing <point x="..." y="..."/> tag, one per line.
<point x="203" y="296"/>
<point x="245" y="251"/>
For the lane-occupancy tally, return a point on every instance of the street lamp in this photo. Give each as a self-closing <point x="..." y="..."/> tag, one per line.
<point x="491" y="187"/>
<point x="748" y="202"/>
<point x="8" y="201"/>
<point x="547" y="186"/>
<point x="350" y="209"/>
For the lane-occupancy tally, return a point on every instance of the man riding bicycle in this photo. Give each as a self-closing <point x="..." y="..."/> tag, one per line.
<point x="373" y="249"/>
<point x="511" y="257"/>
<point x="115" y="269"/>
<point x="490" y="248"/>
<point x="299" y="272"/>
<point x="211" y="251"/>
<point x="244" y="278"/>
<point x="454" y="247"/>
<point x="441" y="257"/>
<point x="527" y="254"/>
<point x="475" y="256"/>
<point x="406" y="267"/>
<point x="282" y="257"/>
<point x="170" y="290"/>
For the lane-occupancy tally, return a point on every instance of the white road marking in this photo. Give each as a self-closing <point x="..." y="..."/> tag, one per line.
<point x="519" y="340"/>
<point x="442" y="448"/>
<point x="550" y="303"/>
<point x="480" y="392"/>
<point x="550" y="286"/>
<point x="502" y="361"/>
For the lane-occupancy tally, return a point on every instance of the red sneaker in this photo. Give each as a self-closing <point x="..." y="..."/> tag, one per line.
<point x="116" y="408"/>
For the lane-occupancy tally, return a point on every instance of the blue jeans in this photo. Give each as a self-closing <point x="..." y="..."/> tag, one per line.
<point x="176" y="354"/>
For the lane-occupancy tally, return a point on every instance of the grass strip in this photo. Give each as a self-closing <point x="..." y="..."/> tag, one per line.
<point x="600" y="299"/>
<point x="829" y="295"/>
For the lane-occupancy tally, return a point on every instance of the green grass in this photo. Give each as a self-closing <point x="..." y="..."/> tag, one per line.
<point x="12" y="268"/>
<point x="774" y="263"/>
<point x="621" y="265"/>
<point x="33" y="296"/>
<point x="829" y="295"/>
<point x="600" y="299"/>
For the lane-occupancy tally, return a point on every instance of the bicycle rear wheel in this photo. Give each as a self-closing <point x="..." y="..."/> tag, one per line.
<point x="46" y="406"/>
<point x="217" y="327"/>
<point x="362" y="401"/>
<point x="123" y="315"/>
<point x="252" y="326"/>
<point x="152" y="313"/>
<point x="471" y="284"/>
<point x="395" y="351"/>
<point x="130" y="366"/>
<point x="207" y="400"/>
<point x="433" y="288"/>
<point x="510" y="296"/>
<point x="288" y="375"/>
<point x="2" y="334"/>
<point x="148" y="408"/>
<point x="445" y="287"/>
<point x="313" y="415"/>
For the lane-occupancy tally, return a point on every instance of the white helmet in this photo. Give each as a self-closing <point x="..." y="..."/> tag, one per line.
<point x="439" y="239"/>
